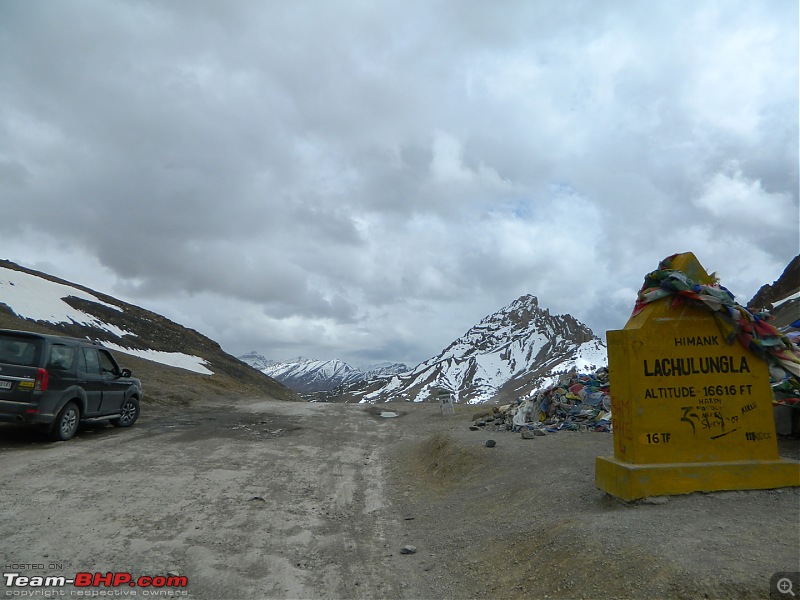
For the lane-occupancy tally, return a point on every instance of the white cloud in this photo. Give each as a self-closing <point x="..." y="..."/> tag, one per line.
<point x="741" y="202"/>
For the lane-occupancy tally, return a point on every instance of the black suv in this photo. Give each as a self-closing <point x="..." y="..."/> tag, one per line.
<point x="57" y="382"/>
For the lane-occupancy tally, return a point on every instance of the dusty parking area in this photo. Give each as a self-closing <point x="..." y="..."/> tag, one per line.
<point x="268" y="499"/>
<point x="271" y="499"/>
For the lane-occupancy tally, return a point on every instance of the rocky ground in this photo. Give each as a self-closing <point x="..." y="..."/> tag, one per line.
<point x="265" y="499"/>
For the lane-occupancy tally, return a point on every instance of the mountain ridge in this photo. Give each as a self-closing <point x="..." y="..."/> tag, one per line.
<point x="781" y="296"/>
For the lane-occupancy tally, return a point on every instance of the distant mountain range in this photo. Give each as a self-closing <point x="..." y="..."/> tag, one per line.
<point x="509" y="354"/>
<point x="309" y="375"/>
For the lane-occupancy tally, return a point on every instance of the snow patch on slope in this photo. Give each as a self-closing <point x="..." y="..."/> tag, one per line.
<point x="39" y="299"/>
<point x="171" y="359"/>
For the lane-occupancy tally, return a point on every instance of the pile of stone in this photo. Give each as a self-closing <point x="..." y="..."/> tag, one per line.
<point x="575" y="403"/>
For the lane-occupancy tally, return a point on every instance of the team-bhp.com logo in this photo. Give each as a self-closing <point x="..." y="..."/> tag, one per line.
<point x="163" y="583"/>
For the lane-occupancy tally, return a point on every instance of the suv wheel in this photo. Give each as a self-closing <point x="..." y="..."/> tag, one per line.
<point x="66" y="424"/>
<point x="128" y="413"/>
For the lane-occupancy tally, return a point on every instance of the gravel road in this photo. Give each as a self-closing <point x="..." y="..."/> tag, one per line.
<point x="269" y="499"/>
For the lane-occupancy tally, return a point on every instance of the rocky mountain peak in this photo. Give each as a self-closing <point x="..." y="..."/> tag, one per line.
<point x="515" y="323"/>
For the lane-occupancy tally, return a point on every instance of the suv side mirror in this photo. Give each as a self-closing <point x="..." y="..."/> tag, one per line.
<point x="126" y="373"/>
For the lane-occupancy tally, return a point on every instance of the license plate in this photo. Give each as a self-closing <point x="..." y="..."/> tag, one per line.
<point x="5" y="384"/>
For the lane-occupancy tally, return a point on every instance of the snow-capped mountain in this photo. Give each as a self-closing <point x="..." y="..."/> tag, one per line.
<point x="256" y="360"/>
<point x="309" y="375"/>
<point x="509" y="354"/>
<point x="305" y="375"/>
<point x="384" y="370"/>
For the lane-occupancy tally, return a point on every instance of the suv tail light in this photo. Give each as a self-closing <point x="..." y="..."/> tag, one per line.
<point x="42" y="379"/>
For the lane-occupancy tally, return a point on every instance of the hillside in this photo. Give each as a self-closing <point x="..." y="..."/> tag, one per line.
<point x="175" y="363"/>
<point x="782" y="297"/>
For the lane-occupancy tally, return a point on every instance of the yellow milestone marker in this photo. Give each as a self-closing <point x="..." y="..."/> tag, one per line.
<point x="690" y="412"/>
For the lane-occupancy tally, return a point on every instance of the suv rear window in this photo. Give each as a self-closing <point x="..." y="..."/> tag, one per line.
<point x="61" y="357"/>
<point x="20" y="350"/>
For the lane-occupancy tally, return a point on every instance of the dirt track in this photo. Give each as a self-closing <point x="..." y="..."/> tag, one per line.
<point x="269" y="499"/>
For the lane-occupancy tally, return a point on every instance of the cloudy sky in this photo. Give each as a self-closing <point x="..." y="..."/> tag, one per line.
<point x="366" y="179"/>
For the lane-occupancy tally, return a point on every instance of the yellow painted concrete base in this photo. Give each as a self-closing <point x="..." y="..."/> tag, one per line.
<point x="633" y="481"/>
